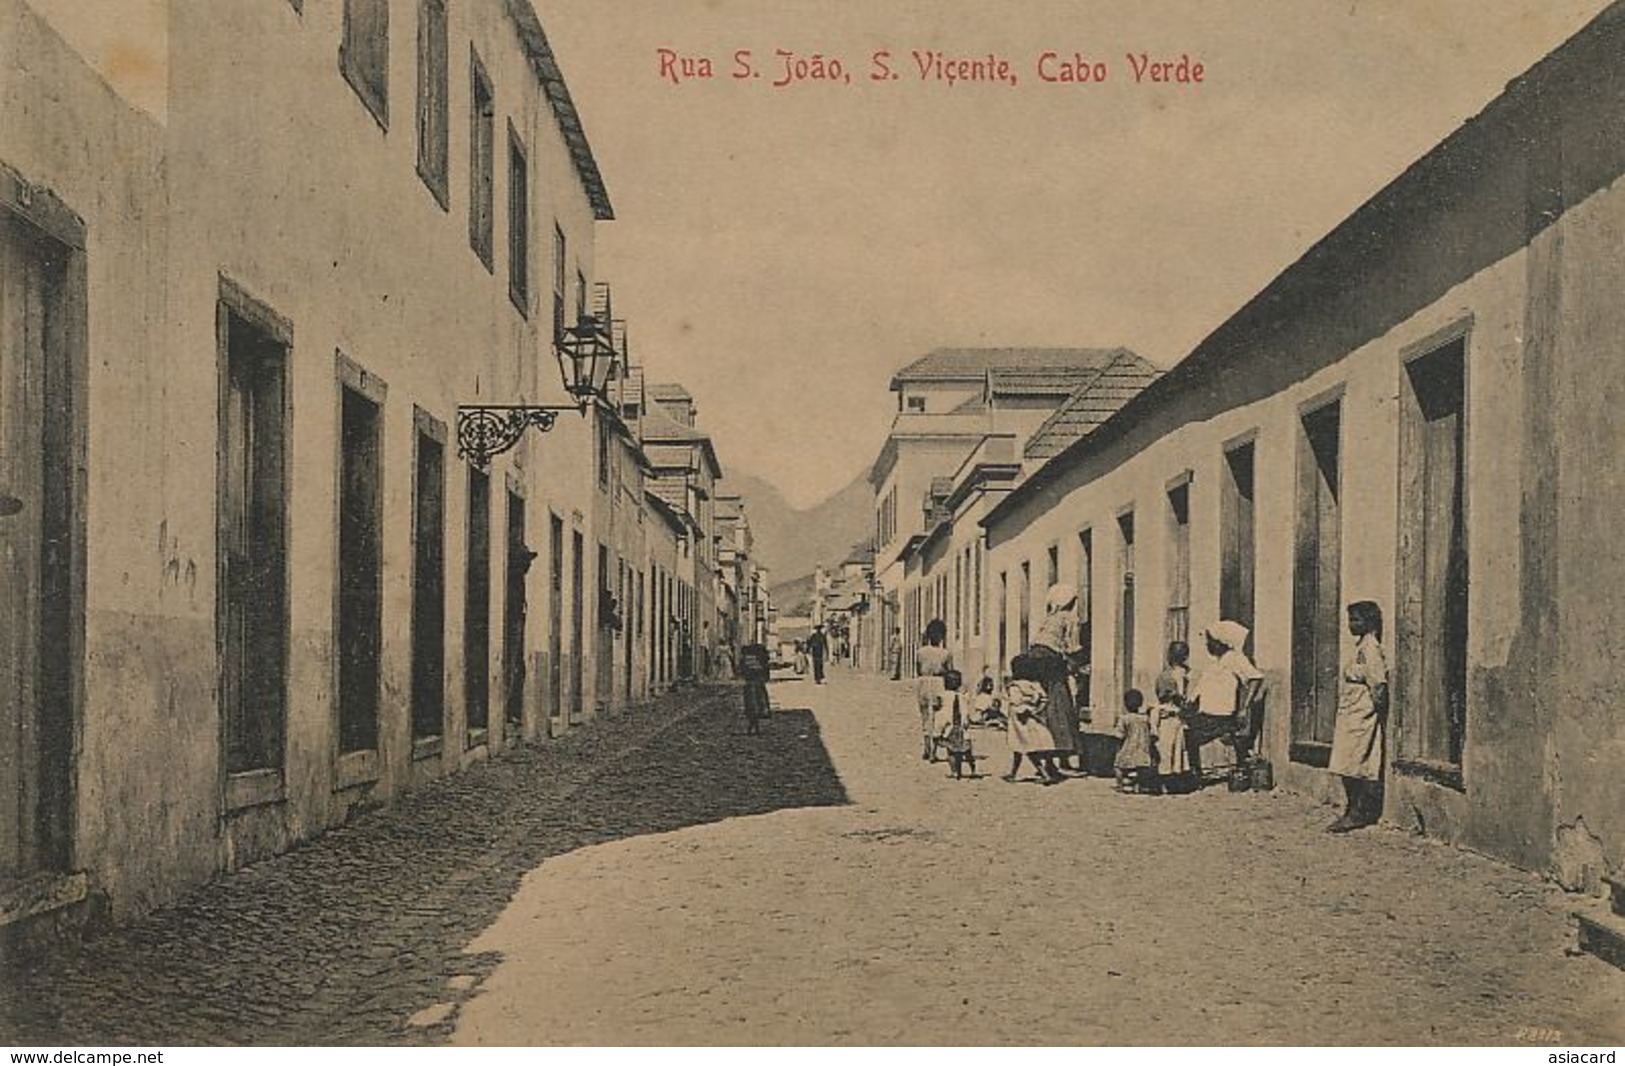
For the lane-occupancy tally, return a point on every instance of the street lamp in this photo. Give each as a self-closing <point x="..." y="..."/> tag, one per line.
<point x="588" y="356"/>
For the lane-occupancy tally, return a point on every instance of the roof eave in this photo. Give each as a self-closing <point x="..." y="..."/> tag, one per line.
<point x="546" y="66"/>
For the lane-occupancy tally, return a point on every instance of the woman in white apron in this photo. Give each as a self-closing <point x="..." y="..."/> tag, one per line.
<point x="1362" y="710"/>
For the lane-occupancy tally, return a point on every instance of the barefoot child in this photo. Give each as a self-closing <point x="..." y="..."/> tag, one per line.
<point x="1135" y="764"/>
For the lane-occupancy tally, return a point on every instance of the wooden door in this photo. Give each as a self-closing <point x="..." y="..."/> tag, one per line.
<point x="360" y="571"/>
<point x="477" y="610"/>
<point x="514" y="611"/>
<point x="253" y="508"/>
<point x="1317" y="615"/>
<point x="429" y="589"/>
<point x="34" y="734"/>
<point x="1237" y="567"/>
<point x="1431" y="650"/>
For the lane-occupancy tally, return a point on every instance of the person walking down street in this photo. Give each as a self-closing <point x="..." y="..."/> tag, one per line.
<point x="818" y="647"/>
<point x="1362" y="711"/>
<point x="755" y="666"/>
<point x="1055" y="645"/>
<point x="895" y="650"/>
<point x="931" y="662"/>
<point x="1225" y="690"/>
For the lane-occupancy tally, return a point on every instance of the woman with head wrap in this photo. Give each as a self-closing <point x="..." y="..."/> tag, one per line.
<point x="1226" y="688"/>
<point x="1054" y="644"/>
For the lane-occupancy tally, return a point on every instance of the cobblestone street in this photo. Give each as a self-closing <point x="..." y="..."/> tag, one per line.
<point x="659" y="878"/>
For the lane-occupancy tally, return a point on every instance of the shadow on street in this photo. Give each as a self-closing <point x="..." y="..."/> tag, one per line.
<point x="339" y="941"/>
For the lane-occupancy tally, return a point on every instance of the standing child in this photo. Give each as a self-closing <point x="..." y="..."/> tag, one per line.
<point x="1135" y="763"/>
<point x="1026" y="726"/>
<point x="1167" y="727"/>
<point x="951" y="727"/>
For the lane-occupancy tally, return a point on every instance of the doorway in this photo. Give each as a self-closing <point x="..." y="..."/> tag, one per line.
<point x="516" y="569"/>
<point x="361" y="524"/>
<point x="41" y="360"/>
<point x="578" y="583"/>
<point x="1317" y="618"/>
<point x="477" y="611"/>
<point x="429" y="581"/>
<point x="1237" y="545"/>
<point x="253" y="513"/>
<point x="1125" y="605"/>
<point x="1431" y="650"/>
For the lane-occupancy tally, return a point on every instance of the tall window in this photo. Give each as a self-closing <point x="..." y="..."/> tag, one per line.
<point x="364" y="54"/>
<point x="1052" y="572"/>
<point x="434" y="105"/>
<point x="518" y="223"/>
<point x="1178" y="625"/>
<point x="481" y="147"/>
<point x="559" y="259"/>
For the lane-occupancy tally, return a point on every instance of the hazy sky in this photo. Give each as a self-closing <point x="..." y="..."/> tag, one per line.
<point x="782" y="250"/>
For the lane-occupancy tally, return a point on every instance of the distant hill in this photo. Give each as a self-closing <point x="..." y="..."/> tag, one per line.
<point x="792" y="542"/>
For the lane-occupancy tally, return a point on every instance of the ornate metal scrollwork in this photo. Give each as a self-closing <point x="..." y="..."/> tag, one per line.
<point x="487" y="430"/>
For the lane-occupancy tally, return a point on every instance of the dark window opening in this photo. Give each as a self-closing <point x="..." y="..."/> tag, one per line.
<point x="364" y="54"/>
<point x="481" y="161"/>
<point x="434" y="102"/>
<point x="518" y="224"/>
<point x="361" y="528"/>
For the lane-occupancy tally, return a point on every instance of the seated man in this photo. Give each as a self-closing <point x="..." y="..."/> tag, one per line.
<point x="1225" y="691"/>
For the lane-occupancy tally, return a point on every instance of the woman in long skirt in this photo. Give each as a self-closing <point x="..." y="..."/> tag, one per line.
<point x="1054" y="645"/>
<point x="931" y="662"/>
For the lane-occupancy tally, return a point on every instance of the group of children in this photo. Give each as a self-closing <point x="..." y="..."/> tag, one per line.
<point x="1152" y="756"/>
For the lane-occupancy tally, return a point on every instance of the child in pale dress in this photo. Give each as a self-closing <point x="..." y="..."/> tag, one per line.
<point x="1135" y="763"/>
<point x="1029" y="734"/>
<point x="1167" y="727"/>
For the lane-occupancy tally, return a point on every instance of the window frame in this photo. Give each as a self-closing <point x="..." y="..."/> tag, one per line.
<point x="375" y="98"/>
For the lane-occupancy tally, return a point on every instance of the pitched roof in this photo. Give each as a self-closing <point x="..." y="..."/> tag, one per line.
<point x="1095" y="399"/>
<point x="1040" y="381"/>
<point x="660" y="428"/>
<point x="668" y="390"/>
<point x="972" y="364"/>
